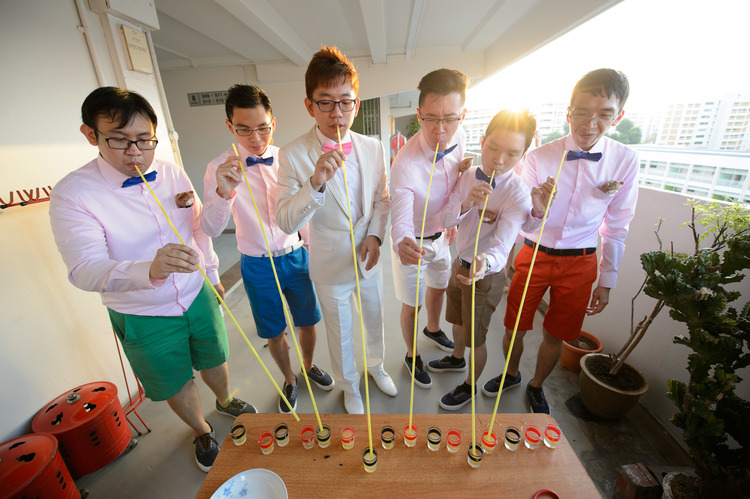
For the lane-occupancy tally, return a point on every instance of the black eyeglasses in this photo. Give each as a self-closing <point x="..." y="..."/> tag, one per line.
<point x="327" y="106"/>
<point x="246" y="132"/>
<point x="437" y="121"/>
<point x="123" y="144"/>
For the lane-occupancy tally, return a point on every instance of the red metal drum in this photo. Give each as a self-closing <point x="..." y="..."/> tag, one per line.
<point x="89" y="425"/>
<point x="30" y="466"/>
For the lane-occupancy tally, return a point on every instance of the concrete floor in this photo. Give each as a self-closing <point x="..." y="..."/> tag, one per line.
<point x="162" y="464"/>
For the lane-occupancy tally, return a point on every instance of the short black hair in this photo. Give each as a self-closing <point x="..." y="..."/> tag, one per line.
<point x="515" y="121"/>
<point x="246" y="97"/>
<point x="443" y="81"/>
<point x="116" y="103"/>
<point x="604" y="82"/>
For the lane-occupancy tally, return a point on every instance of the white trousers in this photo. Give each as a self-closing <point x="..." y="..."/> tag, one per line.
<point x="338" y="304"/>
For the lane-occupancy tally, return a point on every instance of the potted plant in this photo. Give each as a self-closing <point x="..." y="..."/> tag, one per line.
<point x="692" y="286"/>
<point x="572" y="351"/>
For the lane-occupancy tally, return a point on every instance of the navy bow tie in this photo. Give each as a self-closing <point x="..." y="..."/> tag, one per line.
<point x="441" y="154"/>
<point x="593" y="156"/>
<point x="484" y="178"/>
<point x="252" y="160"/>
<point x="150" y="176"/>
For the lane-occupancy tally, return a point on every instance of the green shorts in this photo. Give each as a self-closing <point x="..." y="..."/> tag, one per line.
<point x="164" y="350"/>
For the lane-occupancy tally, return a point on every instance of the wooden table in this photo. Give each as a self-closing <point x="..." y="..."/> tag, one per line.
<point x="404" y="471"/>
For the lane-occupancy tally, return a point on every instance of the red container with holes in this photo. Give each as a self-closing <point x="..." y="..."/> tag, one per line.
<point x="89" y="425"/>
<point x="30" y="466"/>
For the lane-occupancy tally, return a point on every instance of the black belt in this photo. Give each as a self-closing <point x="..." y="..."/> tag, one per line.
<point x="560" y="252"/>
<point x="464" y="263"/>
<point x="433" y="237"/>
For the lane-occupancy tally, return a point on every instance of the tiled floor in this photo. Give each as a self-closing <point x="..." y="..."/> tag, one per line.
<point x="162" y="464"/>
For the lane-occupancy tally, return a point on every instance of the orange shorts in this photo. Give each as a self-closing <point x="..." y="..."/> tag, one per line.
<point x="569" y="279"/>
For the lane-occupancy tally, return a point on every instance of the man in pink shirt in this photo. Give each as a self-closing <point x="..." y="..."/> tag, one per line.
<point x="441" y="109"/>
<point x="597" y="194"/>
<point x="250" y="120"/>
<point x="115" y="241"/>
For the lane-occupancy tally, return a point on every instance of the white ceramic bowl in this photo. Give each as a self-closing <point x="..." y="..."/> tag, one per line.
<point x="258" y="483"/>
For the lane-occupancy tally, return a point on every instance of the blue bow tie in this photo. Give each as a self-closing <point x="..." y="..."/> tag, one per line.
<point x="150" y="176"/>
<point x="252" y="161"/>
<point x="573" y="155"/>
<point x="484" y="178"/>
<point x="441" y="154"/>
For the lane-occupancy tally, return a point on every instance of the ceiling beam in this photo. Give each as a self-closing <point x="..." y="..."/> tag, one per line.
<point x="373" y="15"/>
<point x="415" y="23"/>
<point x="501" y="16"/>
<point x="261" y="17"/>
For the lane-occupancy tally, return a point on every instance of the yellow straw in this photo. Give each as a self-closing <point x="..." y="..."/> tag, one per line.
<point x="523" y="296"/>
<point x="284" y="305"/>
<point x="359" y="296"/>
<point x="221" y="300"/>
<point x="416" y="301"/>
<point x="473" y="291"/>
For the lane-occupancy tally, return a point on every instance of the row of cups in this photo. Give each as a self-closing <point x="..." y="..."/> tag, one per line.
<point x="532" y="436"/>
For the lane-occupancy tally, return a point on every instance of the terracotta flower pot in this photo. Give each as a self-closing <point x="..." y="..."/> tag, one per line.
<point x="571" y="355"/>
<point x="599" y="391"/>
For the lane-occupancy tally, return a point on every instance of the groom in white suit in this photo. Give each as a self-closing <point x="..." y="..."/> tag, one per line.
<point x="312" y="189"/>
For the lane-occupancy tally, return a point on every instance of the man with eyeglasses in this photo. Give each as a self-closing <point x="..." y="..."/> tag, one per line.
<point x="312" y="188"/>
<point x="250" y="120"/>
<point x="115" y="241"/>
<point x="597" y="194"/>
<point x="441" y="109"/>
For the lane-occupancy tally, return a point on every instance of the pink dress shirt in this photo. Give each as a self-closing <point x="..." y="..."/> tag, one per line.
<point x="263" y="180"/>
<point x="108" y="236"/>
<point x="581" y="211"/>
<point x="410" y="176"/>
<point x="510" y="200"/>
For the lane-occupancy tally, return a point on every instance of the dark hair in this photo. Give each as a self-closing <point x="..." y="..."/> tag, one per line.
<point x="246" y="97"/>
<point x="116" y="103"/>
<point x="604" y="82"/>
<point x="443" y="82"/>
<point x="514" y="121"/>
<point x="329" y="67"/>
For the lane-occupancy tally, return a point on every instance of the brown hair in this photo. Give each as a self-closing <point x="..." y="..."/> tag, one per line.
<point x="514" y="121"/>
<point x="327" y="68"/>
<point x="443" y="82"/>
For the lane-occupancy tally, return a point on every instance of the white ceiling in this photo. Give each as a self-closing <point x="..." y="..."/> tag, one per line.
<point x="269" y="33"/>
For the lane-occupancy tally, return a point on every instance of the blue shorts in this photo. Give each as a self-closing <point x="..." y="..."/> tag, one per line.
<point x="265" y="302"/>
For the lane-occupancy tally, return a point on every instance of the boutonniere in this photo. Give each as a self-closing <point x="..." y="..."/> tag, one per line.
<point x="611" y="187"/>
<point x="185" y="199"/>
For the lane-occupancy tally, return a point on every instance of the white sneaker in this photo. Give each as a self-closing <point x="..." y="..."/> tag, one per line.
<point x="353" y="403"/>
<point x="384" y="382"/>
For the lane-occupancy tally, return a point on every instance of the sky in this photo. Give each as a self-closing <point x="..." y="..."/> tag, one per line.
<point x="671" y="51"/>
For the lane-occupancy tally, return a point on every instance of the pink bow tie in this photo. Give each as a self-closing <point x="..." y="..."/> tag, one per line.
<point x="328" y="147"/>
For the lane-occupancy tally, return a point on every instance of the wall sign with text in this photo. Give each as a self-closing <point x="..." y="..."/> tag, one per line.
<point x="207" y="98"/>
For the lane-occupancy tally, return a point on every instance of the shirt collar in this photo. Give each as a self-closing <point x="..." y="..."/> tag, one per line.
<point x="111" y="176"/>
<point x="570" y="145"/>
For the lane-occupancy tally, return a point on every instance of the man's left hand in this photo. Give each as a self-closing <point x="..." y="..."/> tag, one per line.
<point x="599" y="300"/>
<point x="450" y="235"/>
<point x="370" y="251"/>
<point x="479" y="270"/>
<point x="540" y="196"/>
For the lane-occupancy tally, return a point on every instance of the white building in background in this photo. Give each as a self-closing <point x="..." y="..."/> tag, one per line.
<point x="722" y="175"/>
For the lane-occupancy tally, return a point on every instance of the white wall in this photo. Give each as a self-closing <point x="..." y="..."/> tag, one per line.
<point x="54" y="336"/>
<point x="656" y="356"/>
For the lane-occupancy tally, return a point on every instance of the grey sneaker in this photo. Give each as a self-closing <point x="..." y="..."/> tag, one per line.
<point x="447" y="363"/>
<point x="421" y="377"/>
<point x="235" y="408"/>
<point x="459" y="397"/>
<point x="491" y="388"/>
<point x="440" y="338"/>
<point x="206" y="450"/>
<point x="290" y="392"/>
<point x="321" y="378"/>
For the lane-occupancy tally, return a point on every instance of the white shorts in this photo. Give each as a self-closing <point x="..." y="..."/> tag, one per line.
<point x="435" y="271"/>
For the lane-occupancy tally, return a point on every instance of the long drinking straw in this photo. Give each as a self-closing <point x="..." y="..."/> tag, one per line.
<point x="523" y="295"/>
<point x="359" y="296"/>
<point x="221" y="300"/>
<point x="416" y="301"/>
<point x="284" y="305"/>
<point x="473" y="313"/>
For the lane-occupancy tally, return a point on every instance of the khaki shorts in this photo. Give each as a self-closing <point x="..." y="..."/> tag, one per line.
<point x="487" y="295"/>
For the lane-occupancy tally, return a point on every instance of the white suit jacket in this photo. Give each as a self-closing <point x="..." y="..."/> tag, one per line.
<point x="331" y="259"/>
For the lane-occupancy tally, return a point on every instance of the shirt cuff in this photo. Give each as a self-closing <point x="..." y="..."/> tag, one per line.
<point x="139" y="274"/>
<point x="317" y="196"/>
<point x="608" y="279"/>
